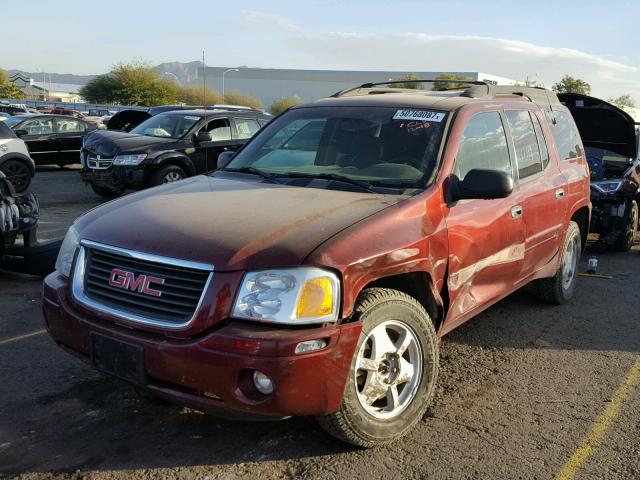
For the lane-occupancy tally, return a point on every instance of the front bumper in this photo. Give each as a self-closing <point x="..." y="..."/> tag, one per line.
<point x="115" y="176"/>
<point x="213" y="371"/>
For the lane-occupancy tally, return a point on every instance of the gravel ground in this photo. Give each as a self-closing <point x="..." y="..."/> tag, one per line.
<point x="520" y="387"/>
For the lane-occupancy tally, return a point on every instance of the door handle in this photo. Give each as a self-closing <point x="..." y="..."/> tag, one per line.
<point x="560" y="193"/>
<point x="516" y="211"/>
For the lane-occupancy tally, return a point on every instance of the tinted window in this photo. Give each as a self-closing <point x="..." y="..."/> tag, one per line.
<point x="542" y="142"/>
<point x="67" y="125"/>
<point x="39" y="126"/>
<point x="483" y="145"/>
<point x="525" y="142"/>
<point x="246" y="127"/>
<point x="220" y="129"/>
<point x="565" y="134"/>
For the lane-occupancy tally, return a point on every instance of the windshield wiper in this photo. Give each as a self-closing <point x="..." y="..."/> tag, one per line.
<point x="363" y="184"/>
<point x="254" y="171"/>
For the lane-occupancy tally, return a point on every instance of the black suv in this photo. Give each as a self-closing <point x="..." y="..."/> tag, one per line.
<point x="165" y="148"/>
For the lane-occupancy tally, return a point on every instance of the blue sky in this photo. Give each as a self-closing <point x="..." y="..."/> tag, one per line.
<point x="596" y="42"/>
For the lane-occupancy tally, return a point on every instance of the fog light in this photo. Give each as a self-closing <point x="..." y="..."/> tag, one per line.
<point x="310" y="346"/>
<point x="262" y="383"/>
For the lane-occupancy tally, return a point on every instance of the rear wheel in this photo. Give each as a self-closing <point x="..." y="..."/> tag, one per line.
<point x="168" y="174"/>
<point x="393" y="372"/>
<point x="18" y="173"/>
<point x="559" y="288"/>
<point x="628" y="229"/>
<point x="107" y="191"/>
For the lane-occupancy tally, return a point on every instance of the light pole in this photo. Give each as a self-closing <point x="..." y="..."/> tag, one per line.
<point x="173" y="75"/>
<point x="223" y="74"/>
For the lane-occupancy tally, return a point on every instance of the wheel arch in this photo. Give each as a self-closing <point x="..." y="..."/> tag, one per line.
<point x="582" y="216"/>
<point x="417" y="284"/>
<point x="175" y="158"/>
<point x="20" y="157"/>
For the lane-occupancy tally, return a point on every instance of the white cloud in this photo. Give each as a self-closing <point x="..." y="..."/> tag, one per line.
<point x="422" y="52"/>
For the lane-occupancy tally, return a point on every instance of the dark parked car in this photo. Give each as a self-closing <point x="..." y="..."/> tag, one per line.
<point x="13" y="110"/>
<point x="611" y="146"/>
<point x="317" y="271"/>
<point x="165" y="148"/>
<point x="51" y="139"/>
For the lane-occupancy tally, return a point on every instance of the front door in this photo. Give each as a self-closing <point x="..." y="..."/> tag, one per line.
<point x="205" y="154"/>
<point x="486" y="237"/>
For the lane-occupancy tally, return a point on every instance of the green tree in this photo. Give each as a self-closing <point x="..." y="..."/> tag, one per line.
<point x="623" y="101"/>
<point x="568" y="84"/>
<point x="8" y="89"/>
<point x="136" y="83"/>
<point x="234" y="97"/>
<point x="441" y="86"/>
<point x="197" y="95"/>
<point x="411" y="85"/>
<point x="284" y="103"/>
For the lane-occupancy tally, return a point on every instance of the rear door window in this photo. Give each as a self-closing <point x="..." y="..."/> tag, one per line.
<point x="565" y="134"/>
<point x="483" y="146"/>
<point x="68" y="125"/>
<point x="246" y="127"/>
<point x="525" y="142"/>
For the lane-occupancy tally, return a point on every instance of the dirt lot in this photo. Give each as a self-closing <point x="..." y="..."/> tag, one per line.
<point x="521" y="387"/>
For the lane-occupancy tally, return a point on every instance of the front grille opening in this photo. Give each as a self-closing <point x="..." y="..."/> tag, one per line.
<point x="179" y="294"/>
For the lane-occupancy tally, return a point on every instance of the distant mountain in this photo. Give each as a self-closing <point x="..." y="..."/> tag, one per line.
<point x="55" y="77"/>
<point x="185" y="72"/>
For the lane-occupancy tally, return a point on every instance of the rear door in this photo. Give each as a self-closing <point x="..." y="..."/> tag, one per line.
<point x="486" y="237"/>
<point x="69" y="132"/>
<point x="40" y="139"/>
<point x="542" y="186"/>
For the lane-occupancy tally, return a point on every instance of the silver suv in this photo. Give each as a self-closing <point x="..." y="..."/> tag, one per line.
<point x="15" y="161"/>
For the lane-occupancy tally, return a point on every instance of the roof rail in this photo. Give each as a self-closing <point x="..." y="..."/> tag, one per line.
<point x="396" y="82"/>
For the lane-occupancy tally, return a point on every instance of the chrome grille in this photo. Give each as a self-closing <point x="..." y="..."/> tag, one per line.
<point x="179" y="296"/>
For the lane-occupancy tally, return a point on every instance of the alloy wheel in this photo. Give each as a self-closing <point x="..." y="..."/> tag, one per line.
<point x="570" y="261"/>
<point x="171" y="177"/>
<point x="18" y="174"/>
<point x="388" y="369"/>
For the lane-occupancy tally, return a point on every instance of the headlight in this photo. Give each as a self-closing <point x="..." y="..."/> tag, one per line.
<point x="608" y="186"/>
<point x="293" y="296"/>
<point x="67" y="251"/>
<point x="132" y="159"/>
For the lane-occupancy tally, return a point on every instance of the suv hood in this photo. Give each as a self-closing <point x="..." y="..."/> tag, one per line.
<point x="106" y="142"/>
<point x="601" y="124"/>
<point x="126" y="120"/>
<point x="232" y="221"/>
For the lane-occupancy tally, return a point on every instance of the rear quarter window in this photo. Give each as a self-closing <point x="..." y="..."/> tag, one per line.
<point x="565" y="135"/>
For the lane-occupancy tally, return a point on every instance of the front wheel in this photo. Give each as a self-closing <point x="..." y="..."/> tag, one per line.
<point x="559" y="288"/>
<point x="167" y="174"/>
<point x="628" y="229"/>
<point x="393" y="372"/>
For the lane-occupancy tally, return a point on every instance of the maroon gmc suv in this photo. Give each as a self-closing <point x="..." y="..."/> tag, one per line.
<point x="316" y="270"/>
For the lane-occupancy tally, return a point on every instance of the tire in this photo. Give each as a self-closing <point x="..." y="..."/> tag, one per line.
<point x="107" y="191"/>
<point x="391" y="315"/>
<point x="167" y="174"/>
<point x="559" y="288"/>
<point x="18" y="173"/>
<point x="628" y="229"/>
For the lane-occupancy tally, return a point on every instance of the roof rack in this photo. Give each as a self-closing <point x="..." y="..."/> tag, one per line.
<point x="476" y="89"/>
<point x="404" y="82"/>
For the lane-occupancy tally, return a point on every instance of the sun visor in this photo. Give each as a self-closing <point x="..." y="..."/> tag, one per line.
<point x="601" y="124"/>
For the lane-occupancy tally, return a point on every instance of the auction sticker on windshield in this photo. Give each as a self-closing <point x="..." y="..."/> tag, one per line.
<point x="419" y="115"/>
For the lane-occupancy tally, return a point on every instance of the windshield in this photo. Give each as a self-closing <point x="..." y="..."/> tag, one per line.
<point x="384" y="147"/>
<point x="167" y="125"/>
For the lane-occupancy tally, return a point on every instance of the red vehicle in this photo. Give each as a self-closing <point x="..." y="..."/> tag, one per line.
<point x="316" y="270"/>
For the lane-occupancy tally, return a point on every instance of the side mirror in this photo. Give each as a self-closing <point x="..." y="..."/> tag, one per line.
<point x="224" y="158"/>
<point x="481" y="184"/>
<point x="21" y="133"/>
<point x="202" y="137"/>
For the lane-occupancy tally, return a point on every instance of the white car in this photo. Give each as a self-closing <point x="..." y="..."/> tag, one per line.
<point x="15" y="161"/>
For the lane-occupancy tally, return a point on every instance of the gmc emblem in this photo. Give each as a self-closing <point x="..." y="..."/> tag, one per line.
<point x="129" y="281"/>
